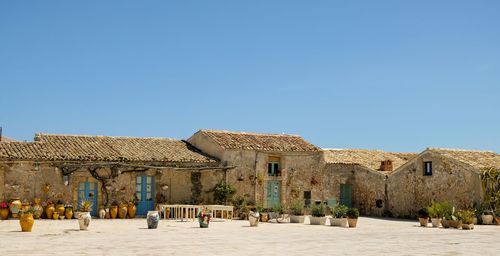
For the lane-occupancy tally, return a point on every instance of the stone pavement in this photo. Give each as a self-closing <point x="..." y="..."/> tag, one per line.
<point x="131" y="237"/>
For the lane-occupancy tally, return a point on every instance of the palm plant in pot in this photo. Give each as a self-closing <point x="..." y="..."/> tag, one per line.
<point x="84" y="214"/>
<point x="317" y="214"/>
<point x="467" y="218"/>
<point x="448" y="214"/>
<point x="352" y="217"/>
<point x="423" y="217"/>
<point x="436" y="213"/>
<point x="297" y="212"/>
<point x="339" y="216"/>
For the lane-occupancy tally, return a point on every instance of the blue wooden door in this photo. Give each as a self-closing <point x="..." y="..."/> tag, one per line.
<point x="88" y="191"/>
<point x="273" y="193"/>
<point x="346" y="194"/>
<point x="145" y="190"/>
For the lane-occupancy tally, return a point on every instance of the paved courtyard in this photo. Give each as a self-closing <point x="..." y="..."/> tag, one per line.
<point x="131" y="237"/>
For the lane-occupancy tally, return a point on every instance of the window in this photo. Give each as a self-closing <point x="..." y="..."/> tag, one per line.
<point x="273" y="169"/>
<point x="427" y="168"/>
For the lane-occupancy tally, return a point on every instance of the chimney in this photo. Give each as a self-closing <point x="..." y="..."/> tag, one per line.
<point x="386" y="166"/>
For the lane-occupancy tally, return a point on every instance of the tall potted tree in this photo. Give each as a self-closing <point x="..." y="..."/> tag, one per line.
<point x="84" y="217"/>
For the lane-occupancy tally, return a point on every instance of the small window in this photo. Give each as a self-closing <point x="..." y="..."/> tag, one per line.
<point x="273" y="169"/>
<point x="427" y="168"/>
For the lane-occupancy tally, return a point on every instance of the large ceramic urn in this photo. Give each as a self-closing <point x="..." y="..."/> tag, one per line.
<point x="122" y="211"/>
<point x="37" y="209"/>
<point x="253" y="217"/>
<point x="153" y="218"/>
<point x="132" y="210"/>
<point x="84" y="219"/>
<point x="26" y="221"/>
<point x="49" y="211"/>
<point x="15" y="207"/>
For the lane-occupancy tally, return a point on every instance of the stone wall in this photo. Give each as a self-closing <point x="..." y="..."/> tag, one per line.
<point x="408" y="189"/>
<point x="27" y="180"/>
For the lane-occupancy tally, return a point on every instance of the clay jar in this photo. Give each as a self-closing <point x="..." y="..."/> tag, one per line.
<point x="26" y="221"/>
<point x="122" y="211"/>
<point x="60" y="209"/>
<point x="49" y="211"/>
<point x="113" y="211"/>
<point x="68" y="213"/>
<point x="132" y="210"/>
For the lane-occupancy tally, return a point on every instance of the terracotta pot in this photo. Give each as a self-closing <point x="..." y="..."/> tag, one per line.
<point x="423" y="222"/>
<point x="352" y="222"/>
<point x="487" y="219"/>
<point x="49" y="211"/>
<point x="132" y="210"/>
<point x="14" y="207"/>
<point x="84" y="219"/>
<point x="445" y="223"/>
<point x="68" y="213"/>
<point x="455" y="223"/>
<point x="339" y="222"/>
<point x="26" y="221"/>
<point x="317" y="220"/>
<point x="4" y="213"/>
<point x="264" y="217"/>
<point x="122" y="211"/>
<point x="60" y="209"/>
<point x="297" y="218"/>
<point x="467" y="226"/>
<point x="436" y="222"/>
<point x="113" y="211"/>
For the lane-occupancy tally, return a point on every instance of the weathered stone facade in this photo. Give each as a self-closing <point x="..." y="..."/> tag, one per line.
<point x="408" y="189"/>
<point x="380" y="183"/>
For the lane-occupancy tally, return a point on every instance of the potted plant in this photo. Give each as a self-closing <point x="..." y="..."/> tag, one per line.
<point x="317" y="214"/>
<point x="436" y="213"/>
<point x="352" y="217"/>
<point x="4" y="210"/>
<point x="264" y="215"/>
<point x="84" y="217"/>
<point x="339" y="216"/>
<point x="448" y="211"/>
<point x="453" y="220"/>
<point x="26" y="219"/>
<point x="423" y="217"/>
<point x="467" y="218"/>
<point x="297" y="212"/>
<point x="204" y="219"/>
<point x="487" y="217"/>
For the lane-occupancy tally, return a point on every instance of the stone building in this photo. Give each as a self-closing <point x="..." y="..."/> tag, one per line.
<point x="438" y="174"/>
<point x="358" y="176"/>
<point x="270" y="169"/>
<point x="104" y="169"/>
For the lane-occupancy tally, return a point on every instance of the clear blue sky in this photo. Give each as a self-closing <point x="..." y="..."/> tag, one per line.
<point x="391" y="75"/>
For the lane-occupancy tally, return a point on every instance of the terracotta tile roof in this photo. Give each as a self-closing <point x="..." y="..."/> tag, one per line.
<point x="474" y="158"/>
<point x="259" y="141"/>
<point x="7" y="139"/>
<point x="368" y="158"/>
<point x="102" y="148"/>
